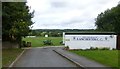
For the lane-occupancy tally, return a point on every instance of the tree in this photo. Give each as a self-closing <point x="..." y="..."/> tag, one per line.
<point x="109" y="20"/>
<point x="16" y="20"/>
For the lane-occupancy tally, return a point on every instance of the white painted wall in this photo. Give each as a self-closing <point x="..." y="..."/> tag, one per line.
<point x="76" y="42"/>
<point x="31" y="36"/>
<point x="63" y="37"/>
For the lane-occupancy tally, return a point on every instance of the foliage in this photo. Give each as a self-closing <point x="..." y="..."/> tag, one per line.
<point x="16" y="18"/>
<point x="23" y="44"/>
<point x="109" y="20"/>
<point x="66" y="48"/>
<point x="47" y="42"/>
<point x="56" y="32"/>
<point x="61" y="42"/>
<point x="98" y="48"/>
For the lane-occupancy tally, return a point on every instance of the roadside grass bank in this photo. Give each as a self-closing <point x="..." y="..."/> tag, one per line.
<point x="38" y="41"/>
<point x="105" y="57"/>
<point x="9" y="55"/>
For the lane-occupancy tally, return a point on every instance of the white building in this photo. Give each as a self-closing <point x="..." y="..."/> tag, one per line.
<point x="88" y="40"/>
<point x="46" y="35"/>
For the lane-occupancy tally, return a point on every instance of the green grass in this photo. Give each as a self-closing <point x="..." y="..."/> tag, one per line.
<point x="9" y="55"/>
<point x="106" y="57"/>
<point x="38" y="41"/>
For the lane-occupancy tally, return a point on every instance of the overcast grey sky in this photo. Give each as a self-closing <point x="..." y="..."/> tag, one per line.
<point x="68" y="14"/>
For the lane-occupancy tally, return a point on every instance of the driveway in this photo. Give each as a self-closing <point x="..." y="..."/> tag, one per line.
<point x="42" y="57"/>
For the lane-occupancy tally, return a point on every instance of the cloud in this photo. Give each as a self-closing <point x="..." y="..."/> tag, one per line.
<point x="68" y="14"/>
<point x="57" y="4"/>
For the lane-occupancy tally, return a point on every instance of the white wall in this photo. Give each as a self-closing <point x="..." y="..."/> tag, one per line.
<point x="63" y="37"/>
<point x="80" y="42"/>
<point x="31" y="36"/>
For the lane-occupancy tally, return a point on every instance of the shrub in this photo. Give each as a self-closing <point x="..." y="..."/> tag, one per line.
<point x="28" y="44"/>
<point x="47" y="42"/>
<point x="105" y="48"/>
<point x="114" y="49"/>
<point x="96" y="48"/>
<point x="23" y="44"/>
<point x="61" y="42"/>
<point x="66" y="48"/>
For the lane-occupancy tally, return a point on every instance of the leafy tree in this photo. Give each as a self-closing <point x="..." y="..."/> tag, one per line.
<point x="16" y="20"/>
<point x="109" y="20"/>
<point x="43" y="33"/>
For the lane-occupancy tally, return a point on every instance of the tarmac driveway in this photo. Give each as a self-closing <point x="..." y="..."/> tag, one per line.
<point x="42" y="57"/>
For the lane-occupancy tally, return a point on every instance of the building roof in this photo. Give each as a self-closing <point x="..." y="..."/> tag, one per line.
<point x="90" y="33"/>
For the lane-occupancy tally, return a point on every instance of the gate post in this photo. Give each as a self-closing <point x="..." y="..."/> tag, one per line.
<point x="118" y="42"/>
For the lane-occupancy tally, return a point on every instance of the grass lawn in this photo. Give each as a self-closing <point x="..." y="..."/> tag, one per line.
<point x="38" y="41"/>
<point x="9" y="55"/>
<point x="106" y="57"/>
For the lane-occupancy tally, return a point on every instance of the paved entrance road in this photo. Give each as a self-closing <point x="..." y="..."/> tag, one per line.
<point x="42" y="57"/>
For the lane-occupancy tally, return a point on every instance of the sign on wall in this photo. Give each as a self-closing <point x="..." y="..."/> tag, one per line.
<point x="87" y="41"/>
<point x="91" y="38"/>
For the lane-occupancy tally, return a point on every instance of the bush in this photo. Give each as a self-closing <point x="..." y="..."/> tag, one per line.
<point x="61" y="42"/>
<point x="47" y="42"/>
<point x="96" y="48"/>
<point x="105" y="48"/>
<point x="28" y="44"/>
<point x="114" y="49"/>
<point x="66" y="48"/>
<point x="24" y="44"/>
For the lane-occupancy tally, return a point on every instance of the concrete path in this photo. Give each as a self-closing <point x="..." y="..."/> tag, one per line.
<point x="81" y="61"/>
<point x="42" y="57"/>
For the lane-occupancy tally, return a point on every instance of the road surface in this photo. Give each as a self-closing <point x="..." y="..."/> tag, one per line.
<point x="42" y="57"/>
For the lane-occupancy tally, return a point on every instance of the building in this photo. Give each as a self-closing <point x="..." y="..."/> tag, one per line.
<point x="88" y="40"/>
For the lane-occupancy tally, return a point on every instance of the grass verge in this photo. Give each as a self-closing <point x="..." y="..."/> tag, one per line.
<point x="106" y="57"/>
<point x="38" y="41"/>
<point x="9" y="55"/>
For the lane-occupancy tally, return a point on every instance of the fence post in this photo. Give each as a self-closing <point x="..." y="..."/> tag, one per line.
<point x="118" y="42"/>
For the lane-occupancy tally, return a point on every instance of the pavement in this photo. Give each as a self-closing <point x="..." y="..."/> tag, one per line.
<point x="42" y="57"/>
<point x="55" y="57"/>
<point x="80" y="60"/>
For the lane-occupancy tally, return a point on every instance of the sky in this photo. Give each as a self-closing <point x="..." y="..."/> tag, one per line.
<point x="68" y="14"/>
